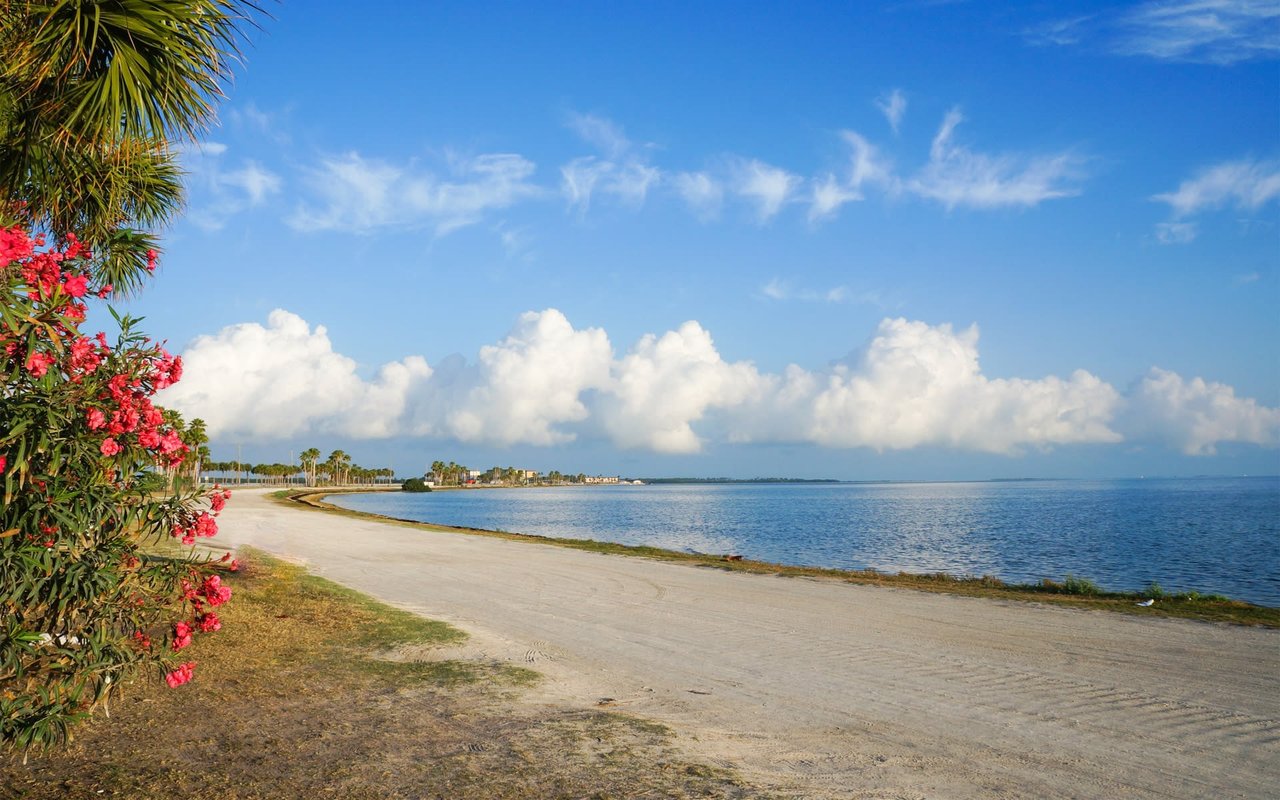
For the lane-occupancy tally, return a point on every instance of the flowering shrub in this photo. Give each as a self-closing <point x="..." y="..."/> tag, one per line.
<point x="83" y="597"/>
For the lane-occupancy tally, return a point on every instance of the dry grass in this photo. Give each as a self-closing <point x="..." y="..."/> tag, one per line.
<point x="307" y="692"/>
<point x="1211" y="608"/>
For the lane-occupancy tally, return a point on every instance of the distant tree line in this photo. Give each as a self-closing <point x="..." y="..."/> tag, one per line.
<point x="454" y="474"/>
<point x="337" y="470"/>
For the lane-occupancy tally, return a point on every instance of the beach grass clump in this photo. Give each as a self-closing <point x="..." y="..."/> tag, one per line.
<point x="1074" y="584"/>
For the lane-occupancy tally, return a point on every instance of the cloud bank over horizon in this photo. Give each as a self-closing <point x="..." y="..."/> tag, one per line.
<point x="547" y="383"/>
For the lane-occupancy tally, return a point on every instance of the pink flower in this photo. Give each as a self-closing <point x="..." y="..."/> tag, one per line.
<point x="152" y="255"/>
<point x="96" y="419"/>
<point x="209" y="622"/>
<point x="181" y="636"/>
<point x="77" y="286"/>
<point x="110" y="447"/>
<point x="38" y="363"/>
<point x="170" y="442"/>
<point x="214" y="591"/>
<point x="4" y="464"/>
<point x="181" y="675"/>
<point x="106" y="290"/>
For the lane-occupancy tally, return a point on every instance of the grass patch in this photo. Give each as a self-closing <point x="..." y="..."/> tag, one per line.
<point x="1073" y="591"/>
<point x="311" y="690"/>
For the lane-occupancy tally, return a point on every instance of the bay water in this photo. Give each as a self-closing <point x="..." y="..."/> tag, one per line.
<point x="1213" y="535"/>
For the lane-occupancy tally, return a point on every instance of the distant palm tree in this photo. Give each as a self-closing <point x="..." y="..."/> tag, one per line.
<point x="309" y="457"/>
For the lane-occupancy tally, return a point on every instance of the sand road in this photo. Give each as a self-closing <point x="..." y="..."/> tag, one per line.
<point x="832" y="690"/>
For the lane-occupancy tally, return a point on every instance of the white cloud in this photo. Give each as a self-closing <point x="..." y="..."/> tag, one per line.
<point x="956" y="176"/>
<point x="666" y="384"/>
<point x="255" y="181"/>
<point x="768" y="187"/>
<point x="917" y="384"/>
<point x="867" y="166"/>
<point x="1059" y="32"/>
<point x="1176" y="232"/>
<point x="532" y="381"/>
<point x="604" y="134"/>
<point x="547" y="383"/>
<point x="1195" y="416"/>
<point x="702" y="193"/>
<point x="217" y="193"/>
<point x="893" y="106"/>
<point x="1206" y="31"/>
<point x="285" y="379"/>
<point x="579" y="177"/>
<point x="623" y="172"/>
<point x="352" y="193"/>
<point x="828" y="195"/>
<point x="1246" y="184"/>
<point x="778" y="289"/>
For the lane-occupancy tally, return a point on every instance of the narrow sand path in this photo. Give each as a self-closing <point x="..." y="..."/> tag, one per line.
<point x="831" y="689"/>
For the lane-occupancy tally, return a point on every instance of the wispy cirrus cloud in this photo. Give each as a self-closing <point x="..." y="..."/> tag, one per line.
<point x="216" y="192"/>
<point x="957" y="176"/>
<point x="701" y="192"/>
<point x="1244" y="184"/>
<point x="894" y="107"/>
<point x="1209" y="31"/>
<point x="1219" y="32"/>
<point x="779" y="289"/>
<point x="354" y="193"/>
<point x="765" y="186"/>
<point x="622" y="169"/>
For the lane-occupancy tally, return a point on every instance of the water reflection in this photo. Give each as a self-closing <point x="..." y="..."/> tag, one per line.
<point x="1214" y="535"/>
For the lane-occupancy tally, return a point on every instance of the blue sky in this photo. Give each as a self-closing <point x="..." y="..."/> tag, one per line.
<point x="906" y="240"/>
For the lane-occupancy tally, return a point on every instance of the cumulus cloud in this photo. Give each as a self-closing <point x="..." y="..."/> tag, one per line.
<point x="285" y="379"/>
<point x="1194" y="415"/>
<point x="917" y="384"/>
<point x="353" y="193"/>
<point x="765" y="186"/>
<point x="546" y="383"/>
<point x="666" y="384"/>
<point x="532" y="381"/>
<point x="894" y="106"/>
<point x="957" y="176"/>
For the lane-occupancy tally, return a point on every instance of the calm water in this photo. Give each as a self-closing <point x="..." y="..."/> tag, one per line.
<point x="1207" y="534"/>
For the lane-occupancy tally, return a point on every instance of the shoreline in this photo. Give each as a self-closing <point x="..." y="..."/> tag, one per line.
<point x="831" y="687"/>
<point x="1206" y="608"/>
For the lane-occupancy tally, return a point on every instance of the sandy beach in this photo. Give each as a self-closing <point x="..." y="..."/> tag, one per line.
<point x="832" y="690"/>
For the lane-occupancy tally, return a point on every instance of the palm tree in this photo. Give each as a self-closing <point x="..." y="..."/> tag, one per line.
<point x="92" y="93"/>
<point x="196" y="437"/>
<point x="309" y="456"/>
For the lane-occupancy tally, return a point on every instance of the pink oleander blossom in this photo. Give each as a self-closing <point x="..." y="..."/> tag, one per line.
<point x="181" y="675"/>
